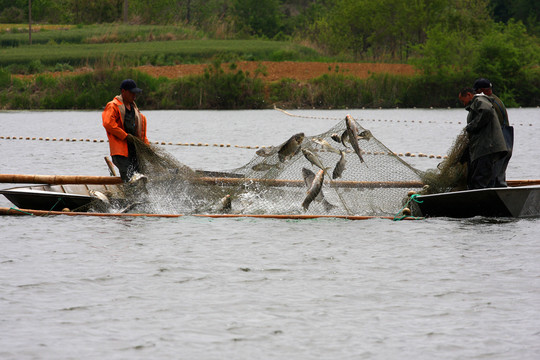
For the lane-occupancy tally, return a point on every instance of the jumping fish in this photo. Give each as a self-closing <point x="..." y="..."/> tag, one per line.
<point x="290" y="147"/>
<point x="226" y="203"/>
<point x="267" y="151"/>
<point x="326" y="145"/>
<point x="264" y="166"/>
<point x="352" y="132"/>
<point x="314" y="160"/>
<point x="336" y="138"/>
<point x="340" y="166"/>
<point x="344" y="137"/>
<point x="365" y="135"/>
<point x="314" y="189"/>
<point x="309" y="176"/>
<point x="129" y="207"/>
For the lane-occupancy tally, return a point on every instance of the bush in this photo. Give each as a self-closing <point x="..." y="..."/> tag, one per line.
<point x="5" y="78"/>
<point x="12" y="15"/>
<point x="35" y="66"/>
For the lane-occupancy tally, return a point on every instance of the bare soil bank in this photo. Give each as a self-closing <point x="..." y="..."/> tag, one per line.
<point x="300" y="71"/>
<point x="286" y="69"/>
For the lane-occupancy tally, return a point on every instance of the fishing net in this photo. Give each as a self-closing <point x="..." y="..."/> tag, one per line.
<point x="281" y="179"/>
<point x="451" y="173"/>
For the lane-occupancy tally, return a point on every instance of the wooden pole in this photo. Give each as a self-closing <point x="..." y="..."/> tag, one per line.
<point x="30" y="22"/>
<point x="222" y="181"/>
<point x="513" y="183"/>
<point x="112" y="171"/>
<point x="125" y="11"/>
<point x="59" y="179"/>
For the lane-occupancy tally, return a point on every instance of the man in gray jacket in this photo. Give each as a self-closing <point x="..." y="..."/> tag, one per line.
<point x="484" y="86"/>
<point x="486" y="140"/>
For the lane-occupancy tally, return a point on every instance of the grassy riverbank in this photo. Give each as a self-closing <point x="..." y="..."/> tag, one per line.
<point x="110" y="53"/>
<point x="220" y="89"/>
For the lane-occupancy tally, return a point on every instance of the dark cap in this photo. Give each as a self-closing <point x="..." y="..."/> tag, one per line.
<point x="481" y="84"/>
<point x="130" y="85"/>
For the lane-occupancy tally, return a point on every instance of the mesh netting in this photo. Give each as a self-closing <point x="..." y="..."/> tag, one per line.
<point x="451" y="173"/>
<point x="281" y="179"/>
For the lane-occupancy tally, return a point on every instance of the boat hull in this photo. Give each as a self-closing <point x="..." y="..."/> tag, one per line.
<point x="53" y="197"/>
<point x="518" y="202"/>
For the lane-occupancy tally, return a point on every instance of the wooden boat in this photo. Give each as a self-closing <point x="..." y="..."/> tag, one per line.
<point x="517" y="202"/>
<point x="56" y="197"/>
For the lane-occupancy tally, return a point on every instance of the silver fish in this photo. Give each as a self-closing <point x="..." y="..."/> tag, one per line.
<point x="326" y="145"/>
<point x="264" y="166"/>
<point x="365" y="135"/>
<point x="136" y="177"/>
<point x="314" y="160"/>
<point x="309" y="176"/>
<point x="336" y="138"/>
<point x="314" y="189"/>
<point x="340" y="166"/>
<point x="99" y="195"/>
<point x="344" y="137"/>
<point x="129" y="207"/>
<point x="352" y="132"/>
<point x="290" y="147"/>
<point x="267" y="151"/>
<point x="226" y="203"/>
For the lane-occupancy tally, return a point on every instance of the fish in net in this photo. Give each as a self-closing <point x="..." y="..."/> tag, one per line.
<point x="343" y="171"/>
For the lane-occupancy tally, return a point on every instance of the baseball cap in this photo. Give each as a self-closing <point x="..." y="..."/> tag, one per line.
<point x="481" y="84"/>
<point x="130" y="85"/>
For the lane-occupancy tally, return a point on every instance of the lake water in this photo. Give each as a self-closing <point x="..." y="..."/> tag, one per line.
<point x="199" y="288"/>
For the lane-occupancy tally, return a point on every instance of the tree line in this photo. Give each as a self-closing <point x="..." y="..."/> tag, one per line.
<point x="498" y="39"/>
<point x="400" y="22"/>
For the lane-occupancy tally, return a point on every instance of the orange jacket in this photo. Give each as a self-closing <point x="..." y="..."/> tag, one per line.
<point x="113" y="122"/>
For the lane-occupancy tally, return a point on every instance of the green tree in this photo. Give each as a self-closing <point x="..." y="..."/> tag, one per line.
<point x="504" y="54"/>
<point x="384" y="29"/>
<point x="259" y="18"/>
<point x="526" y="11"/>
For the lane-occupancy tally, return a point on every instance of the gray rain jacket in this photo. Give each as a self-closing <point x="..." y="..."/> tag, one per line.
<point x="483" y="128"/>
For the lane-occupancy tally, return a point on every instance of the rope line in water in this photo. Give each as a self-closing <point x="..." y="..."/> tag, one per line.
<point x="400" y="154"/>
<point x="379" y="120"/>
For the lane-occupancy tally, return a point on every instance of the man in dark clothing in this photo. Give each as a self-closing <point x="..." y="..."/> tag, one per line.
<point x="484" y="86"/>
<point x="486" y="141"/>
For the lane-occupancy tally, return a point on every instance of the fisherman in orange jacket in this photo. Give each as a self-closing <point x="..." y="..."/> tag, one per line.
<point x="124" y="122"/>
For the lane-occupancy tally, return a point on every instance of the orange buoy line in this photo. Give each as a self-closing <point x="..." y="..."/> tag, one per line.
<point x="14" y="211"/>
<point x="400" y="154"/>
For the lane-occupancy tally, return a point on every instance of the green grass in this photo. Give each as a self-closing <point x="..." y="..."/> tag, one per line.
<point x="93" y="34"/>
<point x="155" y="52"/>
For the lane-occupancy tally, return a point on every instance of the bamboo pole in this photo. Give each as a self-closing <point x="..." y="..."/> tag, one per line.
<point x="514" y="183"/>
<point x="222" y="181"/>
<point x="110" y="165"/>
<point x="12" y="211"/>
<point x="59" y="179"/>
